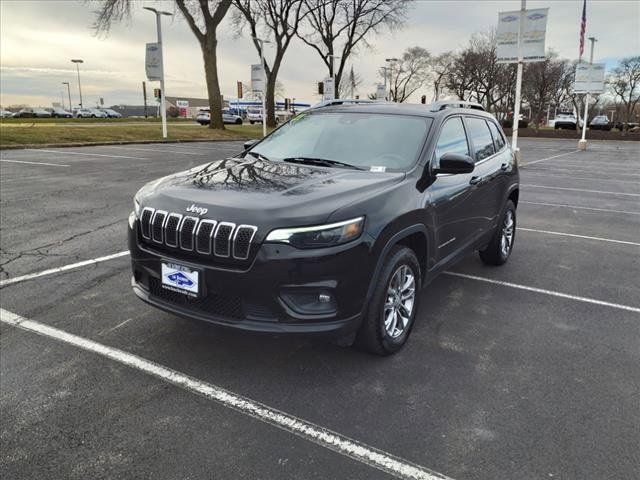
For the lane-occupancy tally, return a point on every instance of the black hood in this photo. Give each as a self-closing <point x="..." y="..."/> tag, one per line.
<point x="264" y="193"/>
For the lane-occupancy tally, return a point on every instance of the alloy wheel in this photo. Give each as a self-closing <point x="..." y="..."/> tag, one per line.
<point x="506" y="239"/>
<point x="398" y="306"/>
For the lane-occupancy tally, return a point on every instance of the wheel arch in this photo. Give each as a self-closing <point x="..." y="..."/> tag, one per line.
<point x="414" y="237"/>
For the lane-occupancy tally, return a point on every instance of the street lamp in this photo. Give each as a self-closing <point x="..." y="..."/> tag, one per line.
<point x="163" y="110"/>
<point x="264" y="84"/>
<point x="78" y="61"/>
<point x="69" y="92"/>
<point x="333" y="73"/>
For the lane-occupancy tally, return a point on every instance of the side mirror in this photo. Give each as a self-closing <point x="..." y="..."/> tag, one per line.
<point x="455" y="163"/>
<point x="249" y="143"/>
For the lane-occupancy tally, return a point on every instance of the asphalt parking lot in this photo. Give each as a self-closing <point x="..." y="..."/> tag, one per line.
<point x="527" y="371"/>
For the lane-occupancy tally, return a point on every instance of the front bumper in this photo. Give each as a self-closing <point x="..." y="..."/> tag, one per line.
<point x="253" y="297"/>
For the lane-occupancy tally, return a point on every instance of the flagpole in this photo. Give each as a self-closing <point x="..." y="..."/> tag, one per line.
<point x="582" y="144"/>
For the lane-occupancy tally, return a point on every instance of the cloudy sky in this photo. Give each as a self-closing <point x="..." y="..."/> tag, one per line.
<point x="38" y="39"/>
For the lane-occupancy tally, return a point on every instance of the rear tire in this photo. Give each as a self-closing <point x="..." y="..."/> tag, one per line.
<point x="238" y="122"/>
<point x="391" y="313"/>
<point x="501" y="244"/>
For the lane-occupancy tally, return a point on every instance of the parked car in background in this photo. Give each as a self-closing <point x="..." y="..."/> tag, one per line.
<point x="6" y="114"/>
<point x="25" y="113"/>
<point x="58" y="112"/>
<point x="204" y="117"/>
<point x="254" y="115"/>
<point x="600" y="122"/>
<point x="110" y="113"/>
<point x="88" y="113"/>
<point x="566" y="121"/>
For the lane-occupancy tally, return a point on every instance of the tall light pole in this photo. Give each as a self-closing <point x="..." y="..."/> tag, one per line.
<point x="582" y="144"/>
<point x="78" y="61"/>
<point x="516" y="107"/>
<point x="333" y="74"/>
<point x="163" y="109"/>
<point x="264" y="84"/>
<point x="69" y="92"/>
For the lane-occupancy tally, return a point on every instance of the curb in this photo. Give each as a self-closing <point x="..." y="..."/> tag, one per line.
<point x="123" y="142"/>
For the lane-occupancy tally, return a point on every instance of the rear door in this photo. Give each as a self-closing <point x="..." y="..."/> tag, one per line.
<point x="452" y="195"/>
<point x="487" y="175"/>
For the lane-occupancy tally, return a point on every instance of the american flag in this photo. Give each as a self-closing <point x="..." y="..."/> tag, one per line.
<point x="583" y="27"/>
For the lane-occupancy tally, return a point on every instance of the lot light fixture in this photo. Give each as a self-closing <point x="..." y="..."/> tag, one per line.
<point x="262" y="41"/>
<point x="78" y="61"/>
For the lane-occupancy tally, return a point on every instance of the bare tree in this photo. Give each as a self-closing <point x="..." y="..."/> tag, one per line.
<point x="541" y="80"/>
<point x="409" y="74"/>
<point x="203" y="18"/>
<point x="340" y="27"/>
<point x="279" y="20"/>
<point x="351" y="83"/>
<point x="624" y="83"/>
<point x="440" y="70"/>
<point x="475" y="74"/>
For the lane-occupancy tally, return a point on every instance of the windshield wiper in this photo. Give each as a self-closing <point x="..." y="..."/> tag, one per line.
<point x="257" y="155"/>
<point x="325" y="162"/>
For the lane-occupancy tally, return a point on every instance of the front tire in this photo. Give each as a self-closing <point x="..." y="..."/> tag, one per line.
<point x="390" y="316"/>
<point x="501" y="244"/>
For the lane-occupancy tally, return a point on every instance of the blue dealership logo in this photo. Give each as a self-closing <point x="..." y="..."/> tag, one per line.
<point x="510" y="18"/>
<point x="180" y="279"/>
<point x="536" y="16"/>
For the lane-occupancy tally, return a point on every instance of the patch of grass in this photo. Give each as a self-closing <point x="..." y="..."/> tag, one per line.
<point x="39" y="134"/>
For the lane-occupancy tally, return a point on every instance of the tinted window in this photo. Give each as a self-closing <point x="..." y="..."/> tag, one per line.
<point x="480" y="137"/>
<point x="362" y="139"/>
<point x="452" y="138"/>
<point x="498" y="139"/>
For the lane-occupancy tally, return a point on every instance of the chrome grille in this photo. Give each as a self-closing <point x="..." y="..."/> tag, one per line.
<point x="206" y="237"/>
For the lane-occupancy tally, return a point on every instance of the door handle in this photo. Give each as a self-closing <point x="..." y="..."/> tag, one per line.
<point x="474" y="180"/>
<point x="504" y="166"/>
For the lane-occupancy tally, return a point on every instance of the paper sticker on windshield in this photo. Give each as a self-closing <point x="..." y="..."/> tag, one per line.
<point x="378" y="169"/>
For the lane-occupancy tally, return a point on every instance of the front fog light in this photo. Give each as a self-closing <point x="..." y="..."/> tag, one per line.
<point x="310" y="302"/>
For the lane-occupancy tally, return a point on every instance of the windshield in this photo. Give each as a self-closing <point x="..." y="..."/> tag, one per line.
<point x="360" y="139"/>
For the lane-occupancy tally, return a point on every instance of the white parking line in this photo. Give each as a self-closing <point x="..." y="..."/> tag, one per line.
<point x="84" y="263"/>
<point x="155" y="150"/>
<point x="66" y="152"/>
<point x="586" y="237"/>
<point x="577" y="207"/>
<point x="590" y="179"/>
<point x="324" y="437"/>
<point x="545" y="292"/>
<point x="549" y="158"/>
<point x="35" y="163"/>
<point x="579" y="190"/>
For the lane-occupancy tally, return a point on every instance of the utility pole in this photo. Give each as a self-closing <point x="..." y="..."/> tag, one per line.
<point x="163" y="109"/>
<point x="69" y="92"/>
<point x="78" y="61"/>
<point x="144" y="97"/>
<point x="264" y="85"/>
<point x="582" y="144"/>
<point x="516" y="108"/>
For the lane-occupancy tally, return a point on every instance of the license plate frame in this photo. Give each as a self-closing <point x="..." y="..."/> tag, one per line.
<point x="181" y="279"/>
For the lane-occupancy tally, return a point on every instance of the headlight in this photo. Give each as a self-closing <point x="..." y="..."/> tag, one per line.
<point x="136" y="207"/>
<point x="320" y="235"/>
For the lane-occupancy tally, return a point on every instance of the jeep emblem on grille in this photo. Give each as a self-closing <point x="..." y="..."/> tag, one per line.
<point x="195" y="209"/>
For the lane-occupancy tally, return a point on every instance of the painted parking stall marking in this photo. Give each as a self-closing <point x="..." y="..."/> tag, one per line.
<point x="324" y="437"/>
<point x="4" y="160"/>
<point x="579" y="207"/>
<point x="585" y="237"/>
<point x="529" y="185"/>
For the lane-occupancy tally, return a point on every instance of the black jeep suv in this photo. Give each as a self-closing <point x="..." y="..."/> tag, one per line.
<point x="331" y="224"/>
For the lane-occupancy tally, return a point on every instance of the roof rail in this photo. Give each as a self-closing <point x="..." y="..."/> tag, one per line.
<point x="341" y="101"/>
<point x="441" y="105"/>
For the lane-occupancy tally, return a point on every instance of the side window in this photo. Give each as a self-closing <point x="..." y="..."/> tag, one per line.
<point x="452" y="138"/>
<point x="498" y="139"/>
<point x="480" y="137"/>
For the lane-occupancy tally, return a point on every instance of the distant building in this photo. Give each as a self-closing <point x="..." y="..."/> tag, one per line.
<point x="188" y="106"/>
